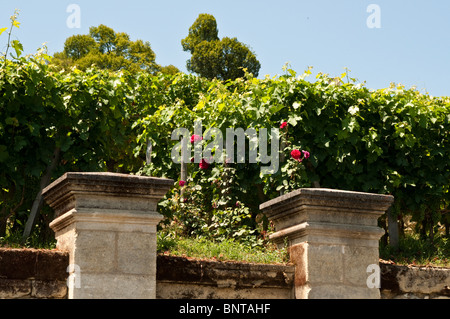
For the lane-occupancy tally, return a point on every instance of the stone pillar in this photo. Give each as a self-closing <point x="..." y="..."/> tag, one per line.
<point x="107" y="222"/>
<point x="333" y="238"/>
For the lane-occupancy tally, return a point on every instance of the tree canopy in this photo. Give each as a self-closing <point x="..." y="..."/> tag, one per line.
<point x="107" y="49"/>
<point x="224" y="59"/>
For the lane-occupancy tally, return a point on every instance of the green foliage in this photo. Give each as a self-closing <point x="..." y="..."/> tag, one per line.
<point x="79" y="46"/>
<point x="203" y="29"/>
<point x="418" y="251"/>
<point x="390" y="141"/>
<point x="170" y="70"/>
<point x="14" y="240"/>
<point x="210" y="207"/>
<point x="14" y="44"/>
<point x="106" y="49"/>
<point x="225" y="59"/>
<point x="84" y="117"/>
<point x="223" y="251"/>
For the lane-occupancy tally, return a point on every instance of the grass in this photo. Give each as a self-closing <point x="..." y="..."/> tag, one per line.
<point x="413" y="250"/>
<point x="14" y="240"/>
<point x="226" y="250"/>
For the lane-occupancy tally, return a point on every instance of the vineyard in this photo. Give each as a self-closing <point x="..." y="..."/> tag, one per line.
<point x="388" y="141"/>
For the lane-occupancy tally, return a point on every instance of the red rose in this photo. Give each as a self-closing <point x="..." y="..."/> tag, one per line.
<point x="203" y="164"/>
<point x="283" y="125"/>
<point x="181" y="183"/>
<point x="296" y="154"/>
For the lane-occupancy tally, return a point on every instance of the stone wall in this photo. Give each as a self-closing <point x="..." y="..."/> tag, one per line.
<point x="107" y="223"/>
<point x="32" y="273"/>
<point x="183" y="278"/>
<point x="42" y="274"/>
<point x="411" y="282"/>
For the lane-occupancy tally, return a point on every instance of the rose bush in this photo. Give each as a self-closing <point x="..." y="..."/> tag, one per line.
<point x="390" y="141"/>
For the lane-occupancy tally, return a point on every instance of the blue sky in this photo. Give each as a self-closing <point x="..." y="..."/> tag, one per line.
<point x="412" y="45"/>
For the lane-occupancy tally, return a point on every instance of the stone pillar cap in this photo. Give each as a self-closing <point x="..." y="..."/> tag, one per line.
<point x="105" y="184"/>
<point x="330" y="197"/>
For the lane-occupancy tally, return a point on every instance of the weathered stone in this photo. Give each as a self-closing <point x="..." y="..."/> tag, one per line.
<point x="17" y="263"/>
<point x="114" y="286"/>
<point x="33" y="263"/>
<point x="356" y="260"/>
<point x="107" y="223"/>
<point x="14" y="288"/>
<point x="332" y="216"/>
<point x="336" y="291"/>
<point x="180" y="278"/>
<point x="51" y="265"/>
<point x="88" y="190"/>
<point x="45" y="289"/>
<point x="95" y="251"/>
<point x="399" y="281"/>
<point x="32" y="273"/>
<point x="130" y="245"/>
<point x="333" y="237"/>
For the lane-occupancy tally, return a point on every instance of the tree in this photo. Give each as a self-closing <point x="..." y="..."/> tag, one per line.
<point x="79" y="46"/>
<point x="223" y="59"/>
<point x="170" y="70"/>
<point x="203" y="29"/>
<point x="106" y="49"/>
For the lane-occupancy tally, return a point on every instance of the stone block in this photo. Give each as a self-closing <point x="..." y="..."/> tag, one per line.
<point x="95" y="251"/>
<point x="136" y="253"/>
<point x="17" y="263"/>
<point x="14" y="288"/>
<point x="44" y="289"/>
<point x="325" y="264"/>
<point x="114" y="286"/>
<point x="356" y="261"/>
<point x="334" y="291"/>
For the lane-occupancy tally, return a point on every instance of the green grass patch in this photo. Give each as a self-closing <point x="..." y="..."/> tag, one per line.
<point x="413" y="250"/>
<point x="226" y="250"/>
<point x="14" y="240"/>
